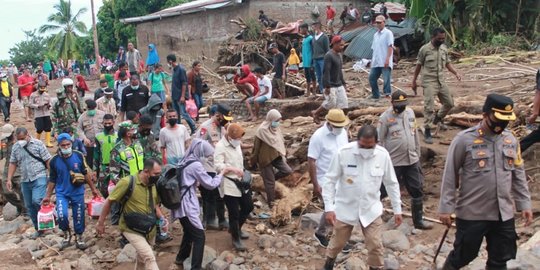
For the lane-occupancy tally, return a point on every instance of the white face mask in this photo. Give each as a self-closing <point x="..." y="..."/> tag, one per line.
<point x="135" y="87"/>
<point x="235" y="143"/>
<point x="22" y="143"/>
<point x="366" y="153"/>
<point x="337" y="131"/>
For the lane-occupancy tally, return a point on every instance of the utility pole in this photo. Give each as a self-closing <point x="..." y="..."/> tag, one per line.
<point x="96" y="44"/>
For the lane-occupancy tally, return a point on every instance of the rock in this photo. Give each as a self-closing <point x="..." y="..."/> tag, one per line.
<point x="391" y="263"/>
<point x="209" y="256"/>
<point x="218" y="264"/>
<point x="9" y="212"/>
<point x="238" y="260"/>
<point x="355" y="263"/>
<point x="525" y="259"/>
<point x="99" y="254"/>
<point x="234" y="267"/>
<point x="128" y="254"/>
<point x="227" y="256"/>
<point x="84" y="263"/>
<point x="395" y="240"/>
<point x="266" y="241"/>
<point x="258" y="259"/>
<point x="31" y="245"/>
<point x="311" y="220"/>
<point x="8" y="246"/>
<point x="283" y="254"/>
<point x="11" y="226"/>
<point x="534" y="241"/>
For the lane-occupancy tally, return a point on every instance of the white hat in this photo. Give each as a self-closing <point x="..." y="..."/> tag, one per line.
<point x="6" y="131"/>
<point x="67" y="81"/>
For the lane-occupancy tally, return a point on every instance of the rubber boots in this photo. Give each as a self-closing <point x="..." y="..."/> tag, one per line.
<point x="417" y="212"/>
<point x="48" y="139"/>
<point x="38" y="136"/>
<point x="234" y="229"/>
<point x="427" y="136"/>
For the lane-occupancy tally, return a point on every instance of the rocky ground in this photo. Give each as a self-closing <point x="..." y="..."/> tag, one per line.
<point x="292" y="246"/>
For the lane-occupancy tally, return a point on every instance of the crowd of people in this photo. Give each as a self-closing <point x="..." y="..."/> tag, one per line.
<point x="121" y="141"/>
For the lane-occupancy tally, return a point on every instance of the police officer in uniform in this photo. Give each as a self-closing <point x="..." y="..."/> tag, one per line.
<point x="127" y="155"/>
<point x="483" y="179"/>
<point x="398" y="134"/>
<point x="433" y="58"/>
<point x="212" y="130"/>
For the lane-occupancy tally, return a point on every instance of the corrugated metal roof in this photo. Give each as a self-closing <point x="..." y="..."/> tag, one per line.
<point x="400" y="31"/>
<point x="351" y="34"/>
<point x="360" y="46"/>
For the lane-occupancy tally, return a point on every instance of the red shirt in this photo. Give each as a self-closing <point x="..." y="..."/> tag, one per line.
<point x="26" y="91"/>
<point x="117" y="75"/>
<point x="330" y="13"/>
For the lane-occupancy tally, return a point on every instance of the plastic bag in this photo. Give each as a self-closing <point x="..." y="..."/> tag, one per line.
<point x="95" y="206"/>
<point x="110" y="187"/>
<point x="191" y="108"/>
<point x="46" y="217"/>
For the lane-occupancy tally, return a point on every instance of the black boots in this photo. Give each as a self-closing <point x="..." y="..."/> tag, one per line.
<point x="417" y="212"/>
<point x="427" y="136"/>
<point x="236" y="232"/>
<point x="448" y="266"/>
<point x="329" y="264"/>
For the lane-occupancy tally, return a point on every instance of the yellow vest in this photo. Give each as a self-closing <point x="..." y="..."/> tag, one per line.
<point x="133" y="155"/>
<point x="5" y="88"/>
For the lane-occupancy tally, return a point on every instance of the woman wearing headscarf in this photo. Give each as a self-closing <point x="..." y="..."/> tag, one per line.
<point x="195" y="165"/>
<point x="81" y="85"/>
<point x="121" y="56"/>
<point x="153" y="57"/>
<point x="293" y="62"/>
<point x="269" y="153"/>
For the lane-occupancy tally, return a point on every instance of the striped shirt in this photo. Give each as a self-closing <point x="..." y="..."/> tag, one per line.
<point x="31" y="169"/>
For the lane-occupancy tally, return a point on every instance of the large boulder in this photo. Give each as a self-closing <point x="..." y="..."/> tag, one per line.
<point x="128" y="254"/>
<point x="10" y="212"/>
<point x="209" y="256"/>
<point x="395" y="240"/>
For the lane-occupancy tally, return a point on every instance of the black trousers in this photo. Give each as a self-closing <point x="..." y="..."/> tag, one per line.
<point x="239" y="209"/>
<point x="530" y="139"/>
<point x="193" y="238"/>
<point x="89" y="155"/>
<point x="411" y="177"/>
<point x="43" y="123"/>
<point x="500" y="237"/>
<point x="212" y="204"/>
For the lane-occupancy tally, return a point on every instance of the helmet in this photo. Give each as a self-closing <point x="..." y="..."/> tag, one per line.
<point x="67" y="81"/>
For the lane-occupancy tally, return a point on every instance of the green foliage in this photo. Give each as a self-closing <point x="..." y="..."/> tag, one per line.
<point x="68" y="30"/>
<point x="112" y="33"/>
<point x="30" y="50"/>
<point x="4" y="62"/>
<point x="253" y="30"/>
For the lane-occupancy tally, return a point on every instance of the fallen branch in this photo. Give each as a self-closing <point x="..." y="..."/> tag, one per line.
<point x="407" y="214"/>
<point x="49" y="247"/>
<point x="376" y="111"/>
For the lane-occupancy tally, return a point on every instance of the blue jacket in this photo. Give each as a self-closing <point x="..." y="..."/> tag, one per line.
<point x="179" y="79"/>
<point x="59" y="173"/>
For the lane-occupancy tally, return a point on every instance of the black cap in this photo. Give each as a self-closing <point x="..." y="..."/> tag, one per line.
<point x="225" y="111"/>
<point x="501" y="106"/>
<point x="103" y="81"/>
<point x="400" y="97"/>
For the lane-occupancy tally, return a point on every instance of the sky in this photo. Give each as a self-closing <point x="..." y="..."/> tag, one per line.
<point x="19" y="15"/>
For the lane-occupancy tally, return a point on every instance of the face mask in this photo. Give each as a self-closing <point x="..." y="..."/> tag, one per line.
<point x="145" y="132"/>
<point x="4" y="79"/>
<point x="275" y="124"/>
<point x="497" y="127"/>
<point x="172" y="121"/>
<point x="235" y="143"/>
<point x="91" y="112"/>
<point x="223" y="122"/>
<point x="135" y="87"/>
<point x="65" y="152"/>
<point x="398" y="109"/>
<point x="437" y="43"/>
<point x="22" y="143"/>
<point x="337" y="131"/>
<point x="103" y="88"/>
<point x="366" y="152"/>
<point x="152" y="180"/>
<point x="108" y="128"/>
<point x="169" y="65"/>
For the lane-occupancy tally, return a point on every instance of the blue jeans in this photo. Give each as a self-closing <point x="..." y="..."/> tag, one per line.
<point x="77" y="206"/>
<point x="33" y="193"/>
<point x="198" y="100"/>
<point x="374" y="75"/>
<point x="319" y="69"/>
<point x="181" y="110"/>
<point x="161" y="95"/>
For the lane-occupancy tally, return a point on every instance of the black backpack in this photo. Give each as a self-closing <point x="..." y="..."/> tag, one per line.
<point x="118" y="207"/>
<point x="169" y="185"/>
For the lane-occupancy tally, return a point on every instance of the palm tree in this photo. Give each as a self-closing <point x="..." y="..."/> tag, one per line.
<point x="69" y="29"/>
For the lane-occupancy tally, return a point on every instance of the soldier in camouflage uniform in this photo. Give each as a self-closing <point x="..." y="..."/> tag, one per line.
<point x="72" y="95"/>
<point x="65" y="113"/>
<point x="127" y="155"/>
<point x="15" y="197"/>
<point x="147" y="139"/>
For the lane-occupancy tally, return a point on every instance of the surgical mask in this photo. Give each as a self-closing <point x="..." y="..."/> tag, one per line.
<point x="65" y="152"/>
<point x="4" y="79"/>
<point x="337" y="131"/>
<point x="169" y="65"/>
<point x="172" y="121"/>
<point x="108" y="128"/>
<point x="275" y="124"/>
<point x="135" y="87"/>
<point x="235" y="143"/>
<point x="152" y="180"/>
<point x="22" y="143"/>
<point x="366" y="153"/>
<point x="398" y="109"/>
<point x="497" y="127"/>
<point x="91" y="112"/>
<point x="103" y="88"/>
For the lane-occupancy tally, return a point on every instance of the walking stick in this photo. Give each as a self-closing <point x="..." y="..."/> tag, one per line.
<point x="440" y="245"/>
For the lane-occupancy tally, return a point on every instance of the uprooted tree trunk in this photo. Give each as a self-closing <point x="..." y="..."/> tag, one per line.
<point x="418" y="111"/>
<point x="293" y="193"/>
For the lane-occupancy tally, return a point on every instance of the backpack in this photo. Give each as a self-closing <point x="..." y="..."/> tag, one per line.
<point x="118" y="207"/>
<point x="169" y="186"/>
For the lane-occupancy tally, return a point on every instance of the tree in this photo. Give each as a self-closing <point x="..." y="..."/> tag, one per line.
<point x="69" y="29"/>
<point x="29" y="50"/>
<point x="95" y="37"/>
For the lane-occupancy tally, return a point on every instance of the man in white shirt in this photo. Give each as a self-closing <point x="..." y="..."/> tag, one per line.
<point x="351" y="195"/>
<point x="382" y="59"/>
<point x="323" y="145"/>
<point x="173" y="139"/>
<point x="120" y="84"/>
<point x="264" y="94"/>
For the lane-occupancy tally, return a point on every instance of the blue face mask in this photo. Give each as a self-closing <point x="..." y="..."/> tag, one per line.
<point x="275" y="124"/>
<point x="66" y="152"/>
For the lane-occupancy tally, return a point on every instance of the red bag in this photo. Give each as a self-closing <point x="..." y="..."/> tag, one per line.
<point x="191" y="108"/>
<point x="46" y="217"/>
<point x="95" y="206"/>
